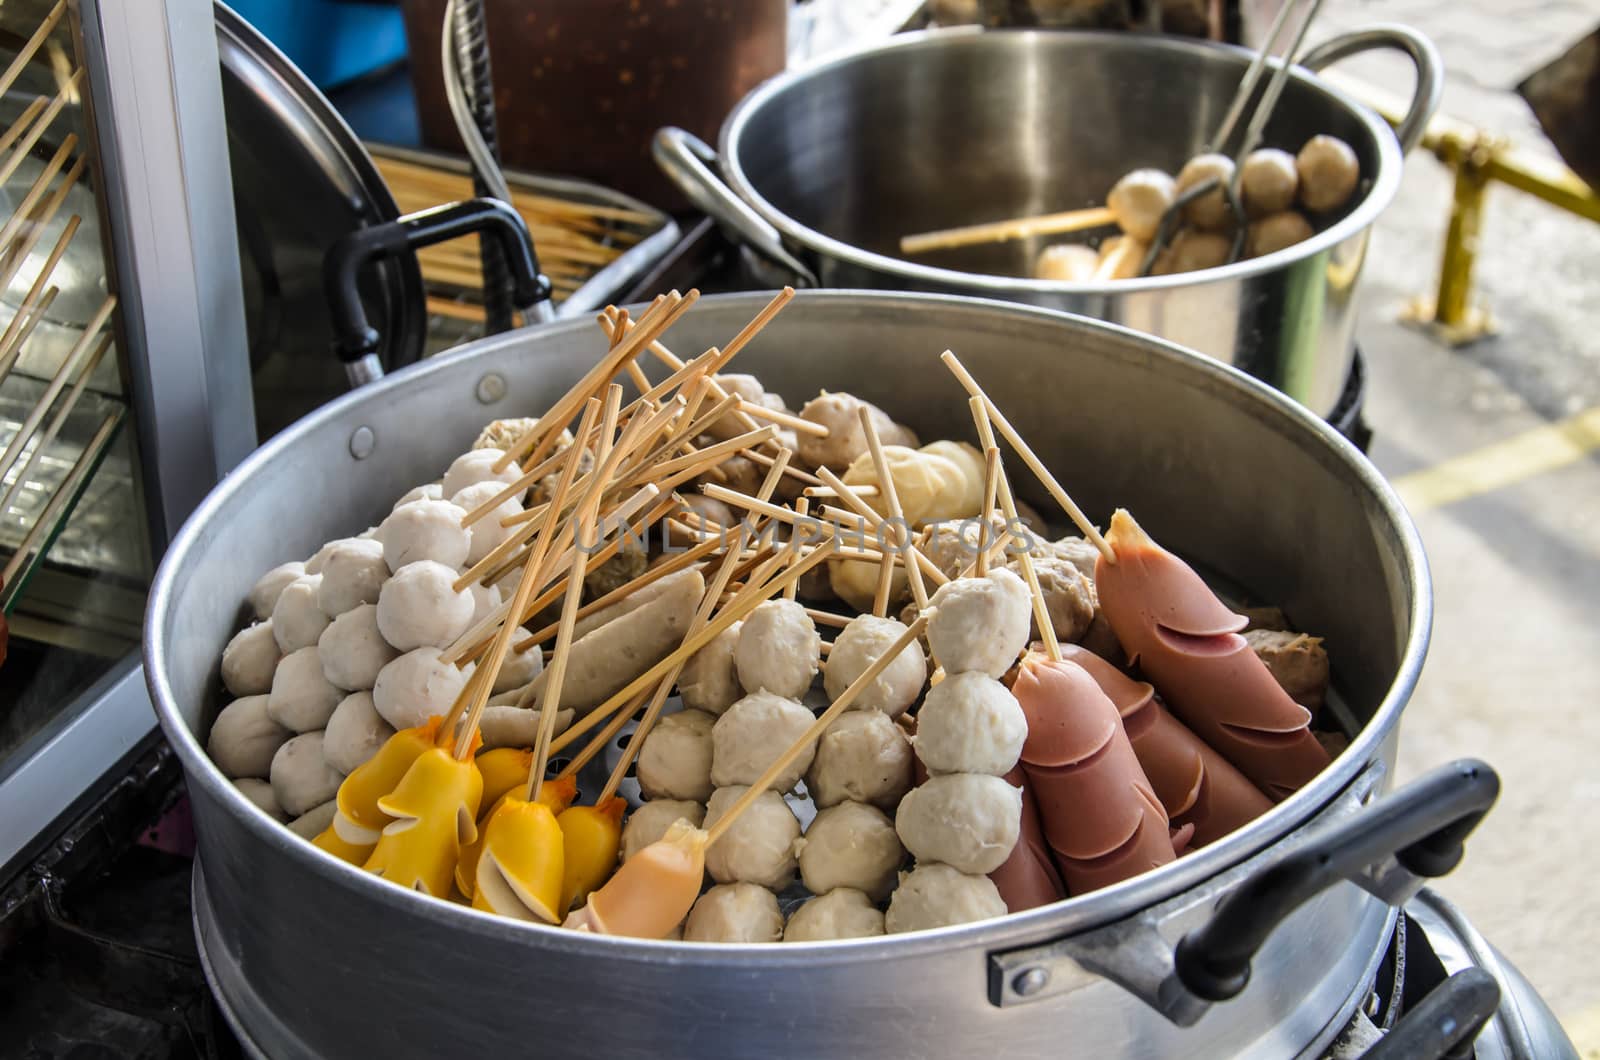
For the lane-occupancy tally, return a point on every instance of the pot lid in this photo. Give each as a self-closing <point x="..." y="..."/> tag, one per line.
<point x="301" y="180"/>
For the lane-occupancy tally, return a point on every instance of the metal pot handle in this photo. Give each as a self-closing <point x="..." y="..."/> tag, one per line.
<point x="355" y="339"/>
<point x="1384" y="847"/>
<point x="1423" y="826"/>
<point x="1448" y="1018"/>
<point x="687" y="160"/>
<point x="1424" y="56"/>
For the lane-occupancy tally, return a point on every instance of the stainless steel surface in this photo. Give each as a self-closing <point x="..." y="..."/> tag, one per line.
<point x="301" y="180"/>
<point x="1130" y="420"/>
<point x="1523" y="1027"/>
<point x="161" y="137"/>
<point x="937" y="129"/>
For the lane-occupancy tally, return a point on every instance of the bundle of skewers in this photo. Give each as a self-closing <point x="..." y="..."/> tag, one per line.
<point x="829" y="617"/>
<point x="575" y="239"/>
<point x="40" y="481"/>
<point x="1220" y="208"/>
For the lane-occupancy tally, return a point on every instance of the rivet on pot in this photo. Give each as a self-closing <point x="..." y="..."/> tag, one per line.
<point x="362" y="443"/>
<point x="491" y="388"/>
<point x="1030" y="982"/>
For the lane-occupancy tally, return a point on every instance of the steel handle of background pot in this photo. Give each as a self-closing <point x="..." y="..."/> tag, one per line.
<point x="355" y="339"/>
<point x="1423" y="826"/>
<point x="687" y="160"/>
<point x="1392" y="37"/>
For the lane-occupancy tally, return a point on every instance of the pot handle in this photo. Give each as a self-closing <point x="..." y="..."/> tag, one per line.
<point x="1423" y="826"/>
<point x="1424" y="56"/>
<point x="1449" y="1018"/>
<point x="355" y="339"/>
<point x="687" y="160"/>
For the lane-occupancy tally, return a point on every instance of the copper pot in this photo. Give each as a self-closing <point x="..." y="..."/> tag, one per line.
<point x="582" y="85"/>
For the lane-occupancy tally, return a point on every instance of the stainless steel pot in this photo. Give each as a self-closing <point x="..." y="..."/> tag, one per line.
<point x="828" y="166"/>
<point x="314" y="957"/>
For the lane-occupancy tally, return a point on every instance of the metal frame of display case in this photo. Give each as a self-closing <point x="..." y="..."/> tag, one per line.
<point x="161" y="146"/>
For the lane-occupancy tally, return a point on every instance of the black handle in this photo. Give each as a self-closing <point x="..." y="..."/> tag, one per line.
<point x="1423" y="825"/>
<point x="354" y="335"/>
<point x="1446" y="1023"/>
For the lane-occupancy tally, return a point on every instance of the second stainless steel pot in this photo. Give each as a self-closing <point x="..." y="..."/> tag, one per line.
<point x="827" y="167"/>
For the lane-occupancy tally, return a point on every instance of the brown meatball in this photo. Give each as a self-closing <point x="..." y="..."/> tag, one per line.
<point x="1191" y="251"/>
<point x="1209" y="211"/>
<point x="1139" y="199"/>
<point x="1329" y="171"/>
<point x="1069" y="597"/>
<point x="1068" y="262"/>
<point x="1272" y="234"/>
<point x="1268" y="182"/>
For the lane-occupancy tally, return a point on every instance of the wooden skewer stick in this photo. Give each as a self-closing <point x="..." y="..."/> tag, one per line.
<point x="791" y="471"/>
<point x="759" y="321"/>
<point x="556" y="675"/>
<point x="656" y="319"/>
<point x="26" y="52"/>
<point x="827" y="618"/>
<point x="746" y="602"/>
<point x="786" y="419"/>
<point x="37" y="225"/>
<point x="1047" y="224"/>
<point x="865" y="511"/>
<point x="891" y="499"/>
<point x="1041" y="612"/>
<point x="866" y="489"/>
<point x="22" y="325"/>
<point x="802" y="508"/>
<point x="47" y="119"/>
<point x="54" y="426"/>
<point x="58" y="500"/>
<point x="458" y="707"/>
<point x="41" y="184"/>
<point x="818" y="727"/>
<point x="718" y="393"/>
<point x="991" y="477"/>
<point x="598" y="742"/>
<point x="531" y="575"/>
<point x="880" y="591"/>
<point x="30" y="112"/>
<point x="57" y="382"/>
<point x="1034" y="463"/>
<point x="654" y="574"/>
<point x="701" y="616"/>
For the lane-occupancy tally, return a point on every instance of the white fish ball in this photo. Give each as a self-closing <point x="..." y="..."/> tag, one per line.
<point x="264" y="594"/>
<point x="425" y="529"/>
<point x="416" y="685"/>
<point x="352" y="574"/>
<point x="754" y="732"/>
<point x="301" y="776"/>
<point x="935" y="895"/>
<point x="970" y="723"/>
<point x="297" y="618"/>
<point x="851" y="845"/>
<point x="965" y="820"/>
<point x="302" y="697"/>
<point x="244" y="738"/>
<point x="355" y="732"/>
<point x="758" y="847"/>
<point x="675" y="761"/>
<point x="842" y="913"/>
<point x="419" y="608"/>
<point x="250" y="659"/>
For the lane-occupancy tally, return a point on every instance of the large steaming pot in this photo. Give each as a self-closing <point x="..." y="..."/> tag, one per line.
<point x="828" y="166"/>
<point x="314" y="957"/>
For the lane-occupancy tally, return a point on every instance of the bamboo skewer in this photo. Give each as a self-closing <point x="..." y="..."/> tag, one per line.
<point x="785" y="419"/>
<point x="991" y="474"/>
<point x="865" y="512"/>
<point x="47" y="119"/>
<point x="601" y="738"/>
<point x="58" y="500"/>
<point x="1049" y="224"/>
<point x="26" y="52"/>
<point x="40" y="185"/>
<point x="22" y="325"/>
<point x="701" y="616"/>
<point x="827" y="618"/>
<point x="891" y="499"/>
<point x="57" y="382"/>
<point x="56" y="421"/>
<point x="1035" y="465"/>
<point x="47" y="213"/>
<point x="818" y="727"/>
<point x="802" y="508"/>
<point x="733" y="612"/>
<point x="1041" y="613"/>
<point x="791" y="471"/>
<point x="30" y="112"/>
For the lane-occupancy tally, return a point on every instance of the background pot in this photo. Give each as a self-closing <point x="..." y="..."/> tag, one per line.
<point x="833" y="163"/>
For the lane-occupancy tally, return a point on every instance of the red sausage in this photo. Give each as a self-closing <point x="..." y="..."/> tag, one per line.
<point x="1100" y="815"/>
<point x="1183" y="637"/>
<point x="1028" y="879"/>
<point x="1195" y="784"/>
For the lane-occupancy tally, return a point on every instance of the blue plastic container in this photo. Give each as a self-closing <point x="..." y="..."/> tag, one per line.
<point x="331" y="41"/>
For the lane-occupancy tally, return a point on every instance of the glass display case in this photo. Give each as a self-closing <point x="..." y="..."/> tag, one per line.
<point x="123" y="389"/>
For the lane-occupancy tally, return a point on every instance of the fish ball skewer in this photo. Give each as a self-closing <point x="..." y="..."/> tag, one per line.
<point x="850" y="845"/>
<point x="965" y="820"/>
<point x="1139" y="200"/>
<point x="264" y="594"/>
<point x="353" y="571"/>
<point x="937" y="895"/>
<point x="419" y="608"/>
<point x="759" y="846"/>
<point x="650" y="822"/>
<point x="752" y="734"/>
<point x="353" y="650"/>
<point x="244" y="738"/>
<point x="970" y="723"/>
<point x="297" y="618"/>
<point x="842" y="913"/>
<point x="779" y="650"/>
<point x="863" y="757"/>
<point x="857" y="647"/>
<point x="250" y="659"/>
<point x="676" y="759"/>
<point x="735" y="912"/>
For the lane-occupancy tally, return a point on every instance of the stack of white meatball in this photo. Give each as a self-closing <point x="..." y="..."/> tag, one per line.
<point x="346" y="646"/>
<point x="962" y="823"/>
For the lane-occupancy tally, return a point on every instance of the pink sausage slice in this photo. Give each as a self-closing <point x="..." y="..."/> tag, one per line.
<point x="1101" y="818"/>
<point x="1205" y="671"/>
<point x="1195" y="784"/>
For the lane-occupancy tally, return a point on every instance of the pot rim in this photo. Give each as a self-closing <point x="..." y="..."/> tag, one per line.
<point x="1385" y="184"/>
<point x="1068" y="917"/>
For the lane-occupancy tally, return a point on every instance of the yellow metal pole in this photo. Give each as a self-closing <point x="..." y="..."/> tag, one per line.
<point x="1452" y="306"/>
